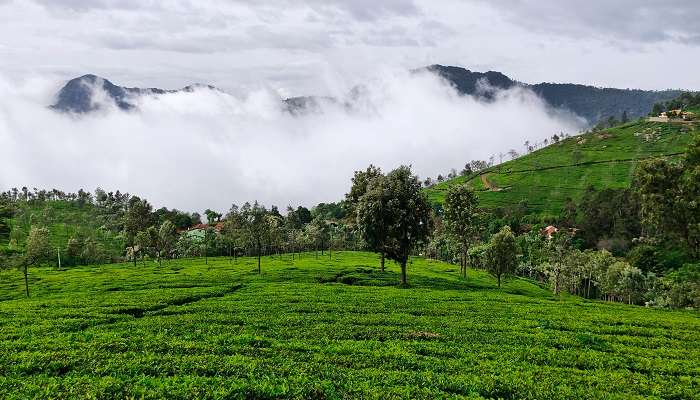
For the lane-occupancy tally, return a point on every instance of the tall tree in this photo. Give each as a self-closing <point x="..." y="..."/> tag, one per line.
<point x="502" y="254"/>
<point x="167" y="238"/>
<point x="402" y="209"/>
<point x="373" y="233"/>
<point x="212" y="216"/>
<point x="460" y="211"/>
<point x="255" y="227"/>
<point x="138" y="218"/>
<point x="38" y="250"/>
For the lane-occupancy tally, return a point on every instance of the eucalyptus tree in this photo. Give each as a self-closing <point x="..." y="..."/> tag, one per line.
<point x="167" y="239"/>
<point x="37" y="251"/>
<point x="502" y="254"/>
<point x="460" y="217"/>
<point x="138" y="217"/>
<point x="256" y="228"/>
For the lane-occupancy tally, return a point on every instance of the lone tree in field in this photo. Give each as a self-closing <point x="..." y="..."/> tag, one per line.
<point x="255" y="227"/>
<point x="502" y="257"/>
<point x="398" y="203"/>
<point x="460" y="219"/>
<point x="374" y="234"/>
<point x="38" y="251"/>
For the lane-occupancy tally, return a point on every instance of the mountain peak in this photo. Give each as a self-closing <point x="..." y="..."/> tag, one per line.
<point x="77" y="96"/>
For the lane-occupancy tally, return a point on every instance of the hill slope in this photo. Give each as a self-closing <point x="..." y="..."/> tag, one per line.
<point x="64" y="220"/>
<point x="590" y="102"/>
<point x="547" y="177"/>
<point x="316" y="328"/>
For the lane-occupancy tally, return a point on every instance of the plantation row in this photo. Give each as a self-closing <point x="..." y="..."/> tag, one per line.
<point x="329" y="327"/>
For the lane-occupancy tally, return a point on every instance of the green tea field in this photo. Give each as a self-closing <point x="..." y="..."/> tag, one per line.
<point x="329" y="328"/>
<point x="547" y="177"/>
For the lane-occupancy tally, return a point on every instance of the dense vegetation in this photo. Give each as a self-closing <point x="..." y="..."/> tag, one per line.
<point x="332" y="327"/>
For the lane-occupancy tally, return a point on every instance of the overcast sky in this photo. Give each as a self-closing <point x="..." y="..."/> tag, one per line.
<point x="300" y="47"/>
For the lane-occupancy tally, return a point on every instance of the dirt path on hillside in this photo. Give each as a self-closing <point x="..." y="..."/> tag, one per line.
<point x="487" y="184"/>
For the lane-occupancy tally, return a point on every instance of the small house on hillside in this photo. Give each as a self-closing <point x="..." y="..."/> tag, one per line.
<point x="678" y="113"/>
<point x="197" y="231"/>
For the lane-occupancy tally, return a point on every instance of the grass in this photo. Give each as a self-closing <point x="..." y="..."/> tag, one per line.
<point x="547" y="177"/>
<point x="322" y="328"/>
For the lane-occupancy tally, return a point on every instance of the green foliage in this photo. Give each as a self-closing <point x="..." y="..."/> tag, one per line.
<point x="502" y="254"/>
<point x="38" y="249"/>
<point x="395" y="216"/>
<point x="548" y="176"/>
<point x="319" y="329"/>
<point x="669" y="193"/>
<point x="460" y="217"/>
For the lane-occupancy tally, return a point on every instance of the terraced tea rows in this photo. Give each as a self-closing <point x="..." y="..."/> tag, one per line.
<point x="322" y="328"/>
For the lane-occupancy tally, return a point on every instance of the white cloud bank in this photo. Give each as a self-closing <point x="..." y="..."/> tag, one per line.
<point x="208" y="149"/>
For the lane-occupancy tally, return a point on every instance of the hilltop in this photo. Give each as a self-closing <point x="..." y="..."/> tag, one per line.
<point x="545" y="178"/>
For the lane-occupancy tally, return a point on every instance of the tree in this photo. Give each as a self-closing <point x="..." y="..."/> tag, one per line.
<point x="207" y="242"/>
<point x="373" y="233"/>
<point x="212" y="216"/>
<point x="144" y="243"/>
<point x="502" y="254"/>
<point x="624" y="119"/>
<point x="167" y="238"/>
<point x="196" y="219"/>
<point x="91" y="252"/>
<point x="255" y="227"/>
<point x="73" y="250"/>
<point x="138" y="218"/>
<point x="395" y="212"/>
<point x="460" y="209"/>
<point x="360" y="182"/>
<point x="467" y="170"/>
<point x="319" y="233"/>
<point x="669" y="193"/>
<point x="373" y="218"/>
<point x="38" y="250"/>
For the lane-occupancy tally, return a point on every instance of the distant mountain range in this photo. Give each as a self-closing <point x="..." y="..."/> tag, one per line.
<point x="589" y="102"/>
<point x="77" y="96"/>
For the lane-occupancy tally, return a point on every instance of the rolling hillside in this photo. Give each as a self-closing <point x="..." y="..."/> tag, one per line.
<point x="329" y="329"/>
<point x="64" y="220"/>
<point x="547" y="177"/>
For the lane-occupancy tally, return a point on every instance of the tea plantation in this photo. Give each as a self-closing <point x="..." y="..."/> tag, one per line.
<point x="547" y="177"/>
<point x="329" y="328"/>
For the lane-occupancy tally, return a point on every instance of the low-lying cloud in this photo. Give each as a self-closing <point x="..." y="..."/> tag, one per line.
<point x="208" y="149"/>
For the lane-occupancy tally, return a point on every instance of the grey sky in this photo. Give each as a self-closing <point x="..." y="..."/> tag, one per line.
<point x="299" y="47"/>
